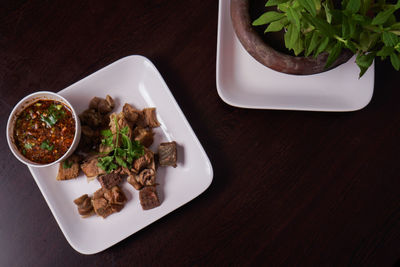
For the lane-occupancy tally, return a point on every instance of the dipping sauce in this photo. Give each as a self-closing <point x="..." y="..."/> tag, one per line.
<point x="44" y="131"/>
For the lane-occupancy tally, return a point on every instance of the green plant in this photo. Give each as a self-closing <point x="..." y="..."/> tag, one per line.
<point x="366" y="27"/>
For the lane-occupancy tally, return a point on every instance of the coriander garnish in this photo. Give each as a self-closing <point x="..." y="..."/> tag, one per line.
<point x="123" y="153"/>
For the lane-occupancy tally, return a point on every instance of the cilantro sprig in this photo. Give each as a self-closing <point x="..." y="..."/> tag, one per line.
<point x="54" y="113"/>
<point x="123" y="151"/>
<point x="46" y="145"/>
<point x="367" y="28"/>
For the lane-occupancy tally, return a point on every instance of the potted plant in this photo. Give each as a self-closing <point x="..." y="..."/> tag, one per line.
<point x="320" y="34"/>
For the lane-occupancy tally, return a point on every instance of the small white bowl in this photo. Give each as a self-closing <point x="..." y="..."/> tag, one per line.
<point x="26" y="101"/>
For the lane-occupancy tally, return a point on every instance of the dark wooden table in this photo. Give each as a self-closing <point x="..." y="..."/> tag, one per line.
<point x="307" y="188"/>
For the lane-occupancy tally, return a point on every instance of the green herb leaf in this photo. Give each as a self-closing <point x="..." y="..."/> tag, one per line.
<point x="50" y="120"/>
<point x="321" y="25"/>
<point x="275" y="26"/>
<point x="28" y="145"/>
<point x="353" y="6"/>
<point x="121" y="162"/>
<point x="390" y="39"/>
<point x="395" y="60"/>
<point x="309" y="5"/>
<point x="323" y="45"/>
<point x="364" y="61"/>
<point x="333" y="54"/>
<point x="268" y="17"/>
<point x="106" y="133"/>
<point x="67" y="164"/>
<point x="385" y="51"/>
<point x="45" y="145"/>
<point x="275" y="2"/>
<point x="313" y="44"/>
<point x="125" y="130"/>
<point x="294" y="17"/>
<point x="382" y="16"/>
<point x="328" y="13"/>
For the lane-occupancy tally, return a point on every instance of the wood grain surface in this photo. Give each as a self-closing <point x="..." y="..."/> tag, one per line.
<point x="289" y="188"/>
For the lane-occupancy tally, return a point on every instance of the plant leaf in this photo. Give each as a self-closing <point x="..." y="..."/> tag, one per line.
<point x="323" y="45"/>
<point x="395" y="60"/>
<point x="395" y="26"/>
<point x="390" y="39"/>
<point x="328" y="12"/>
<point x="268" y="17"/>
<point x="385" y="51"/>
<point x="321" y="25"/>
<point x="294" y="17"/>
<point x="364" y="61"/>
<point x="309" y="5"/>
<point x="276" y="26"/>
<point x="333" y="54"/>
<point x="382" y="16"/>
<point x="353" y="6"/>
<point x="275" y="2"/>
<point x="313" y="43"/>
<point x="345" y="27"/>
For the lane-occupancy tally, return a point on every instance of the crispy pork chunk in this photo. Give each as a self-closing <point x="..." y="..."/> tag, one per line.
<point x="89" y="139"/>
<point x="167" y="155"/>
<point x="149" y="198"/>
<point x="143" y="161"/>
<point x="122" y="123"/>
<point x="69" y="168"/>
<point x="92" y="118"/>
<point x="110" y="180"/>
<point x="150" y="117"/>
<point x="85" y="207"/>
<point x="145" y="178"/>
<point x="130" y="113"/>
<point x="108" y="201"/>
<point x="90" y="168"/>
<point x="144" y="136"/>
<point x="132" y="178"/>
<point x="102" y="105"/>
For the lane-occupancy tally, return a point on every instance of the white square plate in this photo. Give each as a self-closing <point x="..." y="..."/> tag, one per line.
<point x="244" y="82"/>
<point x="133" y="80"/>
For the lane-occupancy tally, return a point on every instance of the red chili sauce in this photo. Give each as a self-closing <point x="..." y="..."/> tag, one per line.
<point x="44" y="131"/>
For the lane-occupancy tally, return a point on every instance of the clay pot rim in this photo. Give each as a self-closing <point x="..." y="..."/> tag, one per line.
<point x="270" y="57"/>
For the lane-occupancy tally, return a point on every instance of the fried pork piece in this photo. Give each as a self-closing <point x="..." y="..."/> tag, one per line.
<point x="90" y="168"/>
<point x="145" y="178"/>
<point x="110" y="179"/>
<point x="107" y="201"/>
<point x="150" y="117"/>
<point x="132" y="178"/>
<point x="90" y="139"/>
<point x="85" y="207"/>
<point x="144" y="136"/>
<point x="102" y="105"/>
<point x="167" y="154"/>
<point x="149" y="198"/>
<point x="122" y="123"/>
<point x="69" y="168"/>
<point x="131" y="114"/>
<point x="143" y="161"/>
<point x="93" y="118"/>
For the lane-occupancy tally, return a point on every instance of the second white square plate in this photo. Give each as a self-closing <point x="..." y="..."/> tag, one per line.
<point x="244" y="82"/>
<point x="134" y="80"/>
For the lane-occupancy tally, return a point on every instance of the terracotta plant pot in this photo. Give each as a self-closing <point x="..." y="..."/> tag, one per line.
<point x="270" y="57"/>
